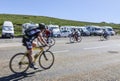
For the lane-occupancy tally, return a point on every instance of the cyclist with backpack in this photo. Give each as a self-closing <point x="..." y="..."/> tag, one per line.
<point x="28" y="38"/>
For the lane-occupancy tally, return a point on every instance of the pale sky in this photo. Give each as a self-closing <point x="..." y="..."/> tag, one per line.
<point x="79" y="10"/>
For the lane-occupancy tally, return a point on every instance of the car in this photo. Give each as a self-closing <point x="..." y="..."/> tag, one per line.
<point x="56" y="32"/>
<point x="65" y="33"/>
<point x="83" y="31"/>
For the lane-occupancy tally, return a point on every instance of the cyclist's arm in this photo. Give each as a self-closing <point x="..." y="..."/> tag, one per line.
<point x="41" y="39"/>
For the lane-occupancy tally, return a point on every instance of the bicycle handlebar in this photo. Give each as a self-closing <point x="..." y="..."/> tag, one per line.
<point x="42" y="46"/>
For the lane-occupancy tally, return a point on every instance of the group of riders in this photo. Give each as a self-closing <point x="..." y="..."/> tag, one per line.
<point x="39" y="33"/>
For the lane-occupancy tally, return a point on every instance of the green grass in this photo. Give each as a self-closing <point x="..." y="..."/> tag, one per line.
<point x="18" y="20"/>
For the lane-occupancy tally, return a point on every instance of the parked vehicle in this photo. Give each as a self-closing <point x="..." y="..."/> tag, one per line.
<point x="65" y="33"/>
<point x="8" y="29"/>
<point x="95" y="30"/>
<point x="55" y="30"/>
<point x="90" y="29"/>
<point x="66" y="30"/>
<point x="98" y="31"/>
<point x="56" y="33"/>
<point x="83" y="31"/>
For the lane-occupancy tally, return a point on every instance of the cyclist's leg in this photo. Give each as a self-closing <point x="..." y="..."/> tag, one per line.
<point x="29" y="49"/>
<point x="76" y="37"/>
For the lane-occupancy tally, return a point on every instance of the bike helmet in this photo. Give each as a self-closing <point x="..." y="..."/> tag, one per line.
<point x="41" y="26"/>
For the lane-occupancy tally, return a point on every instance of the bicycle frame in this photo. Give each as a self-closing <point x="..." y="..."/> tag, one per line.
<point x="35" y="56"/>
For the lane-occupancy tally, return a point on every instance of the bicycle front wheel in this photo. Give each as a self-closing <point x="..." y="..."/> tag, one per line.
<point x="79" y="39"/>
<point x="19" y="63"/>
<point x="51" y="41"/>
<point x="46" y="59"/>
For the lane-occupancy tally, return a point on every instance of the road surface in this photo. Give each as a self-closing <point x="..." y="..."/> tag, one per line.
<point x="90" y="60"/>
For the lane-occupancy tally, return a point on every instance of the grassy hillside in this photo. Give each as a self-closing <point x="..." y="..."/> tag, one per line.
<point x="18" y="20"/>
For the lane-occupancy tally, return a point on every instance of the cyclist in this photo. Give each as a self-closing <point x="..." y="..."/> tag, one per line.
<point x="29" y="37"/>
<point x="47" y="34"/>
<point x="75" y="34"/>
<point x="105" y="33"/>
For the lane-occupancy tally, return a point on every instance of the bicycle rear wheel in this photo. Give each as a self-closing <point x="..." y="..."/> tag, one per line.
<point x="72" y="40"/>
<point x="102" y="38"/>
<point x="19" y="63"/>
<point x="46" y="59"/>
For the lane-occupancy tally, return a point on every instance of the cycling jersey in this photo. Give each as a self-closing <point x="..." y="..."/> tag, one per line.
<point x="29" y="36"/>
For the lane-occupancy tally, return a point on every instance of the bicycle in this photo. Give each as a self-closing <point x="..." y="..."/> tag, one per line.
<point x="104" y="37"/>
<point x="19" y="63"/>
<point x="75" y="38"/>
<point x="50" y="40"/>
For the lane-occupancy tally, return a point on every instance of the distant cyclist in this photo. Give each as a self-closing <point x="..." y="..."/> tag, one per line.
<point x="47" y="33"/>
<point x="29" y="37"/>
<point x="105" y="33"/>
<point x="75" y="34"/>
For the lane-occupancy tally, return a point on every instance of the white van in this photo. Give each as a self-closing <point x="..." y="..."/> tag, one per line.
<point x="7" y="29"/>
<point x="83" y="31"/>
<point x="95" y="30"/>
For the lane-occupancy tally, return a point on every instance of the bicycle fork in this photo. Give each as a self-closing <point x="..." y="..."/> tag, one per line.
<point x="45" y="55"/>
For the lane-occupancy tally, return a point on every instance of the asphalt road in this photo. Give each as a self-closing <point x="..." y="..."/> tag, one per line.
<point x="90" y="60"/>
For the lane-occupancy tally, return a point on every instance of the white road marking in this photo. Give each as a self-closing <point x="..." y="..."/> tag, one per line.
<point x="10" y="44"/>
<point x="61" y="51"/>
<point x="95" y="47"/>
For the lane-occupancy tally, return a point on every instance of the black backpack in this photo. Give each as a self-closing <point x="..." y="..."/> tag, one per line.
<point x="31" y="32"/>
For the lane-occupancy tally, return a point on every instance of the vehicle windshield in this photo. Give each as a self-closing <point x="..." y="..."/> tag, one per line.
<point x="54" y="28"/>
<point x="84" y="29"/>
<point x="7" y="28"/>
<point x="98" y="29"/>
<point x="109" y="29"/>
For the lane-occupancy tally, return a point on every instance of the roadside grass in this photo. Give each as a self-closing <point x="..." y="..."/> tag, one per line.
<point x="18" y="20"/>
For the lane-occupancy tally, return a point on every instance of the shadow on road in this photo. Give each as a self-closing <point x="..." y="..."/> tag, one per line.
<point x="20" y="76"/>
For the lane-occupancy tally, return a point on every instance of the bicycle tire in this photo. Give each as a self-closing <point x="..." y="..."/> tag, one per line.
<point x="79" y="39"/>
<point x="71" y="39"/>
<point x="51" y="41"/>
<point x="101" y="37"/>
<point x="16" y="59"/>
<point x="46" y="59"/>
